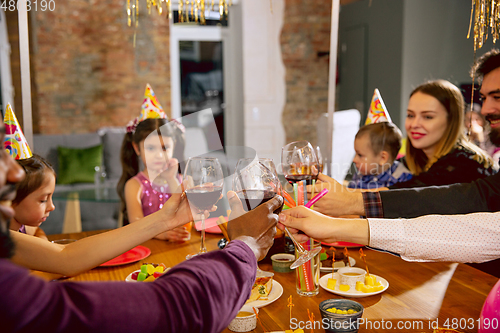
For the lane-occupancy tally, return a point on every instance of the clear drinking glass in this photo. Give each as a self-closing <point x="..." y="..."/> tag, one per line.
<point x="297" y="160"/>
<point x="204" y="182"/>
<point x="321" y="162"/>
<point x="307" y="275"/>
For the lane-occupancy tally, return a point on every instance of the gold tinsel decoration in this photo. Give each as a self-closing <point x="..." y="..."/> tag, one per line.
<point x="188" y="10"/>
<point x="486" y="14"/>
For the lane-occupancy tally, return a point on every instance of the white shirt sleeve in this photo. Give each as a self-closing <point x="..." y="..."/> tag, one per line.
<point x="456" y="238"/>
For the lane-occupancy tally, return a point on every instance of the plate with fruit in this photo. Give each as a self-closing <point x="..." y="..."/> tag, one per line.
<point x="331" y="284"/>
<point x="147" y="273"/>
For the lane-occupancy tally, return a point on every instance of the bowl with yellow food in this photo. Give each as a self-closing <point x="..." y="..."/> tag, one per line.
<point x="341" y="315"/>
<point x="245" y="321"/>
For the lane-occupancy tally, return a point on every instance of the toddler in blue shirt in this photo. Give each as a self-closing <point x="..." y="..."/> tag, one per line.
<point x="377" y="146"/>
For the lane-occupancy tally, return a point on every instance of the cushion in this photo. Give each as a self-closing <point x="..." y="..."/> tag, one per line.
<point x="46" y="145"/>
<point x="112" y="142"/>
<point x="77" y="165"/>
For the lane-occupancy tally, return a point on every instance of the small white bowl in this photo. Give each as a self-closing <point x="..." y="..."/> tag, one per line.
<point x="244" y="324"/>
<point x="350" y="275"/>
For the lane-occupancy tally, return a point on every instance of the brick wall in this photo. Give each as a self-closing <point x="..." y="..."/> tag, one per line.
<point x="88" y="73"/>
<point x="305" y="38"/>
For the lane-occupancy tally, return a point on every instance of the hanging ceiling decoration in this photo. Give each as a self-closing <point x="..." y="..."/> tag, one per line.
<point x="486" y="16"/>
<point x="189" y="11"/>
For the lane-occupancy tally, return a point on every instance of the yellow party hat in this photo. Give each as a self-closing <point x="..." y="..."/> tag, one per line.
<point x="151" y="108"/>
<point x="378" y="112"/>
<point x="15" y="143"/>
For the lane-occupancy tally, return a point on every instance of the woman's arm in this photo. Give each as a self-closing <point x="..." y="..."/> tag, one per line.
<point x="77" y="257"/>
<point x="456" y="238"/>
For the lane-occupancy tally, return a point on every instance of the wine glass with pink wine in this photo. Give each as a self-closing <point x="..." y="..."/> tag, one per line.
<point x="204" y="182"/>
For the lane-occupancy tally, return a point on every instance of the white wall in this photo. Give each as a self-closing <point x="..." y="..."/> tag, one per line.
<point x="264" y="77"/>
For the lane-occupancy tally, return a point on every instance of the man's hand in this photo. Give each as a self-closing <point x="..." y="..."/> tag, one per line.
<point x="257" y="227"/>
<point x="339" y="200"/>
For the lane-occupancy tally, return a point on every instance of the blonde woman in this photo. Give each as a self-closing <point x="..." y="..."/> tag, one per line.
<point x="437" y="152"/>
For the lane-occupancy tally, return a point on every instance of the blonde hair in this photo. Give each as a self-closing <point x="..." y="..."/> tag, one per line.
<point x="451" y="98"/>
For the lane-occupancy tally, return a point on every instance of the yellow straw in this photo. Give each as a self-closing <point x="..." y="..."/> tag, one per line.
<point x="312" y="192"/>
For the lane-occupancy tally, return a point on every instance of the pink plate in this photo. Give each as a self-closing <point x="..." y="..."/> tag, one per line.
<point x="213" y="230"/>
<point x="210" y="226"/>
<point x="133" y="255"/>
<point x="342" y="244"/>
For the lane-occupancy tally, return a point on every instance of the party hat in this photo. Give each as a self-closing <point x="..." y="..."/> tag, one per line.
<point x="15" y="143"/>
<point x="151" y="108"/>
<point x="378" y="112"/>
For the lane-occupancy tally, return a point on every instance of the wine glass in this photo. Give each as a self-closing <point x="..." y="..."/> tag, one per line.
<point x="204" y="182"/>
<point x="320" y="159"/>
<point x="297" y="160"/>
<point x="255" y="181"/>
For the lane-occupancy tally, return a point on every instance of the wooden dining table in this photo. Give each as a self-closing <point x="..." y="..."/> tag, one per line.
<point x="420" y="295"/>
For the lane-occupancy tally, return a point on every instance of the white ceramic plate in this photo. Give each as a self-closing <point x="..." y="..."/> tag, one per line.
<point x="323" y="282"/>
<point x="276" y="293"/>
<point x="129" y="277"/>
<point x="337" y="265"/>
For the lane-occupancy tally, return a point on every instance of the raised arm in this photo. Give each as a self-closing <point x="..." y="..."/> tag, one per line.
<point x="199" y="295"/>
<point x="482" y="195"/>
<point x="455" y="238"/>
<point x="89" y="252"/>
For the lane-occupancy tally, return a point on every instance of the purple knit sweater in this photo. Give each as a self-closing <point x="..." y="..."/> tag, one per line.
<point x="200" y="295"/>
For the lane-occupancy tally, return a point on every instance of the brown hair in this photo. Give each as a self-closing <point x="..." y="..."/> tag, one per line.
<point x="129" y="159"/>
<point x="35" y="168"/>
<point x="384" y="136"/>
<point x="485" y="64"/>
<point x="451" y="98"/>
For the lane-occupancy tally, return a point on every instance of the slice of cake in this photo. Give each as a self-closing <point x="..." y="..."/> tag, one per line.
<point x="261" y="288"/>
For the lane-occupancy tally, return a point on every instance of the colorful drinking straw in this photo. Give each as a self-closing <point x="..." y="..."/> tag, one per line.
<point x="317" y="197"/>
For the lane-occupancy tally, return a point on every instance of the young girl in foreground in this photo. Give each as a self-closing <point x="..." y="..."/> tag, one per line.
<point x="33" y="202"/>
<point x="77" y="257"/>
<point x="150" y="139"/>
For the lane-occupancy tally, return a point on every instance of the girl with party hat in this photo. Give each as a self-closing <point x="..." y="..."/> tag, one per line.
<point x="150" y="139"/>
<point x="33" y="202"/>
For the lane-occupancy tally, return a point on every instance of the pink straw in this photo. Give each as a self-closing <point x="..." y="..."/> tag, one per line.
<point x="316" y="198"/>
